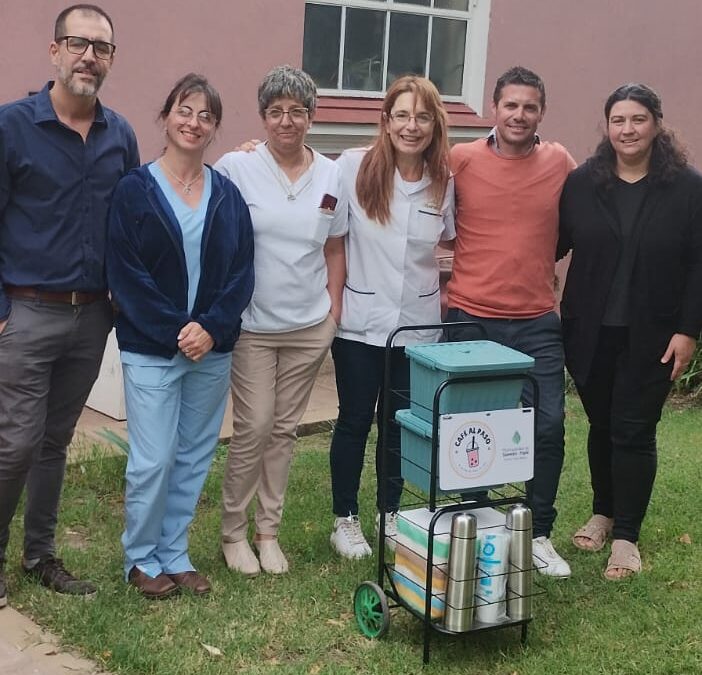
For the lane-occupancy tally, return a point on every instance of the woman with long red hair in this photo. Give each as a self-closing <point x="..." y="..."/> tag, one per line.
<point x="400" y="208"/>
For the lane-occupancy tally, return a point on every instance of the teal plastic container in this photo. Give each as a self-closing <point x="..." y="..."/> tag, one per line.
<point x="415" y="450"/>
<point x="431" y="364"/>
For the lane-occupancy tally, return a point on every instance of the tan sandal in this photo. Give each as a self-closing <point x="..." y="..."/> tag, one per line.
<point x="624" y="561"/>
<point x="594" y="534"/>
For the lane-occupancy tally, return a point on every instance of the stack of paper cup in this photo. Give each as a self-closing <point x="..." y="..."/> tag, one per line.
<point x="490" y="592"/>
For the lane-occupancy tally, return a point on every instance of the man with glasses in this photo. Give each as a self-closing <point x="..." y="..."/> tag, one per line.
<point x="507" y="192"/>
<point x="61" y="154"/>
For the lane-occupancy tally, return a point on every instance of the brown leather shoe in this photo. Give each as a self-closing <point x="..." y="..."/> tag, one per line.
<point x="193" y="581"/>
<point x="154" y="588"/>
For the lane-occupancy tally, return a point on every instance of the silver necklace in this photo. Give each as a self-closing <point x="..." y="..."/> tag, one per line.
<point x="187" y="187"/>
<point x="285" y="182"/>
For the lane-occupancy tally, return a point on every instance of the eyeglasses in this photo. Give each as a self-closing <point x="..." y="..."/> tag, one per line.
<point x="422" y="119"/>
<point x="296" y="115"/>
<point x="79" y="45"/>
<point x="186" y="113"/>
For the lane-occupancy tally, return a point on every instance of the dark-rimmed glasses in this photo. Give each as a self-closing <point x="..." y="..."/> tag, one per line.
<point x="79" y="45"/>
<point x="296" y="115"/>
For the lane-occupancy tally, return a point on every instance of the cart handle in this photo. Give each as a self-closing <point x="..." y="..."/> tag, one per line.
<point x="390" y="342"/>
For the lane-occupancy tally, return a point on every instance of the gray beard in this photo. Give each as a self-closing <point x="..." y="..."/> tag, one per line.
<point x="80" y="89"/>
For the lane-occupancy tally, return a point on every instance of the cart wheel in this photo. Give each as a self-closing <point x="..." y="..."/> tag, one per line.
<point x="371" y="608"/>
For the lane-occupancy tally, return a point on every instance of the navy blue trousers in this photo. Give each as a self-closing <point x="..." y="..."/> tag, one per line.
<point x="359" y="383"/>
<point x="541" y="339"/>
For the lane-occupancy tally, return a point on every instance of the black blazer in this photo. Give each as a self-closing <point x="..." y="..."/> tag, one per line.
<point x="666" y="282"/>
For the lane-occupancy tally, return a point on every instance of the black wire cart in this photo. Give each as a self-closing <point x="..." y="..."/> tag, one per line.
<point x="373" y="600"/>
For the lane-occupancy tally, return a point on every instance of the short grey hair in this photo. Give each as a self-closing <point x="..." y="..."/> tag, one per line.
<point x="287" y="82"/>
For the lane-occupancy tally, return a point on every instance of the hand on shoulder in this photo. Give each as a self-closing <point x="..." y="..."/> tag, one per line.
<point x="248" y="146"/>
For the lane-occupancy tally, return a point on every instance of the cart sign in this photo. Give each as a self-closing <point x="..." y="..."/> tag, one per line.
<point x="481" y="449"/>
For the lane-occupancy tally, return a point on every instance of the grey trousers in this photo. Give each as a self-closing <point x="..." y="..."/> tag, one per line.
<point x="50" y="356"/>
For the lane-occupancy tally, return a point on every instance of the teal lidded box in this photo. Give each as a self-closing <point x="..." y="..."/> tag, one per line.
<point x="415" y="455"/>
<point x="431" y="364"/>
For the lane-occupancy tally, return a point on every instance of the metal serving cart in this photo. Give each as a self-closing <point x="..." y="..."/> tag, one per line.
<point x="373" y="600"/>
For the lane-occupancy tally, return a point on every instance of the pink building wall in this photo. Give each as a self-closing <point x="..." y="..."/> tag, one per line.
<point x="233" y="42"/>
<point x="584" y="50"/>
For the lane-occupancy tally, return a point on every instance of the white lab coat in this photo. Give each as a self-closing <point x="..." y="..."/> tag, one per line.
<point x="392" y="273"/>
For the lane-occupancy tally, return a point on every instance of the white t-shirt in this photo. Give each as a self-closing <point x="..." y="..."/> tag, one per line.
<point x="392" y="276"/>
<point x="289" y="236"/>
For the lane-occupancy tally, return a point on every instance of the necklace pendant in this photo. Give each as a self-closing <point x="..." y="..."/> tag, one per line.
<point x="187" y="189"/>
<point x="291" y="198"/>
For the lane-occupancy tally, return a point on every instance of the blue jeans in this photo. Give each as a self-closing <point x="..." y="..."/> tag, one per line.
<point x="541" y="339"/>
<point x="359" y="383"/>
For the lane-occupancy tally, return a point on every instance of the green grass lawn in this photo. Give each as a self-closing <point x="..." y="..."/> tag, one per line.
<point x="303" y="622"/>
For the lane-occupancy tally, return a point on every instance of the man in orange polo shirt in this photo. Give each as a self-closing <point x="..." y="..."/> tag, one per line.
<point x="507" y="192"/>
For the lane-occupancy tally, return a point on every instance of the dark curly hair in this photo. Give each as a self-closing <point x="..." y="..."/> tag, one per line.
<point x="668" y="156"/>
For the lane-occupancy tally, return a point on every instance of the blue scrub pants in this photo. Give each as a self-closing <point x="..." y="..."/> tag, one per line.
<point x="174" y="415"/>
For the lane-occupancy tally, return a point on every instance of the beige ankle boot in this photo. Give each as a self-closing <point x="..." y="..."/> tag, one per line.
<point x="272" y="559"/>
<point x="241" y="558"/>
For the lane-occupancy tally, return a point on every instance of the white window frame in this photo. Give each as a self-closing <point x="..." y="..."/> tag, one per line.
<point x="475" y="58"/>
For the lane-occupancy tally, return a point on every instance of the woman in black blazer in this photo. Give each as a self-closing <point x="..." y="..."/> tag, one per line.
<point x="632" y="306"/>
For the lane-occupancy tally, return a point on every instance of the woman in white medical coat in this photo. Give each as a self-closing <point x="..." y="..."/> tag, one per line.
<point x="400" y="208"/>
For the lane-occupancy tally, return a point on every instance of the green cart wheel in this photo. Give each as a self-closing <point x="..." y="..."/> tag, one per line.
<point x="371" y="609"/>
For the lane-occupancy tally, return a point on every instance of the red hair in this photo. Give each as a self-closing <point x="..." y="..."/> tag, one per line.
<point x="376" y="176"/>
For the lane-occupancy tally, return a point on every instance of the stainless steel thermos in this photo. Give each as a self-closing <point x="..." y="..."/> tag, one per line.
<point x="519" y="579"/>
<point x="460" y="590"/>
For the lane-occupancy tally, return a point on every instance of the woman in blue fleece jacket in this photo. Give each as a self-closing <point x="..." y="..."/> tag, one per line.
<point x="180" y="269"/>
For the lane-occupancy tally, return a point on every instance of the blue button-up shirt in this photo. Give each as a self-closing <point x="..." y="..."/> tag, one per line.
<point x="55" y="192"/>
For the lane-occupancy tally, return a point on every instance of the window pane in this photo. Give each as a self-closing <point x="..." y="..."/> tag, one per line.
<point x="363" y="51"/>
<point x="424" y="3"/>
<point x="320" y="55"/>
<point x="448" y="48"/>
<point x="461" y="5"/>
<point x="408" y="45"/>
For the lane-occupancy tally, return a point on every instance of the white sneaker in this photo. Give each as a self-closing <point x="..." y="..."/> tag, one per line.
<point x="390" y="529"/>
<point x="546" y="559"/>
<point x="347" y="538"/>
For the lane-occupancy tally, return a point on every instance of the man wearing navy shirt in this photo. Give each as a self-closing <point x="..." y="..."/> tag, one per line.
<point x="61" y="154"/>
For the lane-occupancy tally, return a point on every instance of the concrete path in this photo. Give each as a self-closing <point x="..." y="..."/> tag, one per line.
<point x="26" y="649"/>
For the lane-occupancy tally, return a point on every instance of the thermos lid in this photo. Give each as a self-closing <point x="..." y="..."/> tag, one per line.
<point x="464" y="526"/>
<point x="518" y="517"/>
